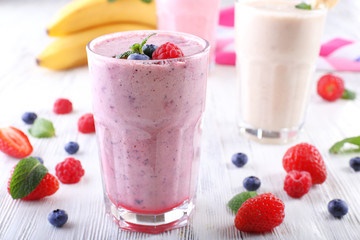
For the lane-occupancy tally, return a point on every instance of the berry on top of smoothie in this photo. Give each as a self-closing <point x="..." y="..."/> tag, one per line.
<point x="167" y="50"/>
<point x="148" y="49"/>
<point x="143" y="51"/>
<point x="136" y="52"/>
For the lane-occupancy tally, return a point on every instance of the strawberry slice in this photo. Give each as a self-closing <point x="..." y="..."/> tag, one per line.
<point x="14" y="142"/>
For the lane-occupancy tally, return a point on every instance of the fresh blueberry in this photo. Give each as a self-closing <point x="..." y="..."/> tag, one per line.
<point x="239" y="159"/>
<point x="138" y="56"/>
<point x="355" y="163"/>
<point x="29" y="117"/>
<point x="58" y="217"/>
<point x="338" y="208"/>
<point x="251" y="183"/>
<point x="71" y="147"/>
<point x="148" y="49"/>
<point x="40" y="159"/>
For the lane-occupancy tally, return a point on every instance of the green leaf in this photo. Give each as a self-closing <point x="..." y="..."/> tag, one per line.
<point x="111" y="0"/>
<point x="146" y="1"/>
<point x="339" y="147"/>
<point x="27" y="175"/>
<point x="123" y="55"/>
<point x="145" y="40"/>
<point x="303" y="6"/>
<point x="42" y="128"/>
<point x="348" y="94"/>
<point x="235" y="203"/>
<point x="136" y="48"/>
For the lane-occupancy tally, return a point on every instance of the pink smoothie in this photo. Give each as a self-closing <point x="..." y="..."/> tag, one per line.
<point x="148" y="118"/>
<point x="198" y="17"/>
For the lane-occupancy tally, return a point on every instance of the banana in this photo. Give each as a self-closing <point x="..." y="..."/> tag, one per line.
<point x="70" y="51"/>
<point x="83" y="14"/>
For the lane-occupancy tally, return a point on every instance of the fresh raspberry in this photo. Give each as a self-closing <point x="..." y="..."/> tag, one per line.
<point x="47" y="186"/>
<point x="297" y="183"/>
<point x="306" y="157"/>
<point x="86" y="123"/>
<point x="167" y="50"/>
<point x="260" y="214"/>
<point x="62" y="106"/>
<point x="69" y="170"/>
<point x="330" y="87"/>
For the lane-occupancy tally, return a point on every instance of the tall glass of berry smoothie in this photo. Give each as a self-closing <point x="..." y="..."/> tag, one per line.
<point x="197" y="17"/>
<point x="148" y="118"/>
<point x="277" y="45"/>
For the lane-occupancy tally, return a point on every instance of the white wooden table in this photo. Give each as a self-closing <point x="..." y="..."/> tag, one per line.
<point x="26" y="87"/>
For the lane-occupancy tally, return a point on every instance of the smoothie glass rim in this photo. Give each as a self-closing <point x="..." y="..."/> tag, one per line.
<point x="203" y="42"/>
<point x="311" y="11"/>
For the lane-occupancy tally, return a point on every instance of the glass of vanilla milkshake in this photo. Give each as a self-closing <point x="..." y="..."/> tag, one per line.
<point x="277" y="45"/>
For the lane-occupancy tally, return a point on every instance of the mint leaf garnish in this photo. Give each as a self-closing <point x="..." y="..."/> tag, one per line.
<point x="338" y="147"/>
<point x="145" y="40"/>
<point x="124" y="55"/>
<point x="42" y="128"/>
<point x="235" y="203"/>
<point x="135" y="48"/>
<point x="348" y="94"/>
<point x="303" y="6"/>
<point x="27" y="175"/>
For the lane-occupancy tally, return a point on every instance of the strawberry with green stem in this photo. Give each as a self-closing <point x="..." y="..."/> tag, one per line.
<point x="30" y="180"/>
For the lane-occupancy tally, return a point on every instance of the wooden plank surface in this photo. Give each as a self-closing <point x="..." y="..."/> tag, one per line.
<point x="26" y="87"/>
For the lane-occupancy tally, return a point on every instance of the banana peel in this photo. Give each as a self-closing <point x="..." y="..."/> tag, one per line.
<point x="70" y="51"/>
<point x="79" y="15"/>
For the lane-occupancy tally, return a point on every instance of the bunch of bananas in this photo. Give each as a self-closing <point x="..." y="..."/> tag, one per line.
<point x="83" y="20"/>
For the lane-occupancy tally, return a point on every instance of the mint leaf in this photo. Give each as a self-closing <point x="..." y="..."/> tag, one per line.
<point x="136" y="48"/>
<point x="303" y="6"/>
<point x="146" y="1"/>
<point x="338" y="147"/>
<point x="123" y="55"/>
<point x="235" y="203"/>
<point x="145" y="40"/>
<point x="27" y="175"/>
<point x="111" y="0"/>
<point x="348" y="94"/>
<point x="42" y="128"/>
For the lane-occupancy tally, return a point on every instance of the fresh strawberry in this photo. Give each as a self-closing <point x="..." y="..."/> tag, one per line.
<point x="297" y="183"/>
<point x="23" y="182"/>
<point x="86" y="123"/>
<point x="167" y="50"/>
<point x="48" y="186"/>
<point x="14" y="142"/>
<point x="330" y="87"/>
<point x="260" y="214"/>
<point x="306" y="157"/>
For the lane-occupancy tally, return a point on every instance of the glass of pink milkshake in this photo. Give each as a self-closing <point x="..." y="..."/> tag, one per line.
<point x="277" y="46"/>
<point x="148" y="116"/>
<point x="197" y="17"/>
